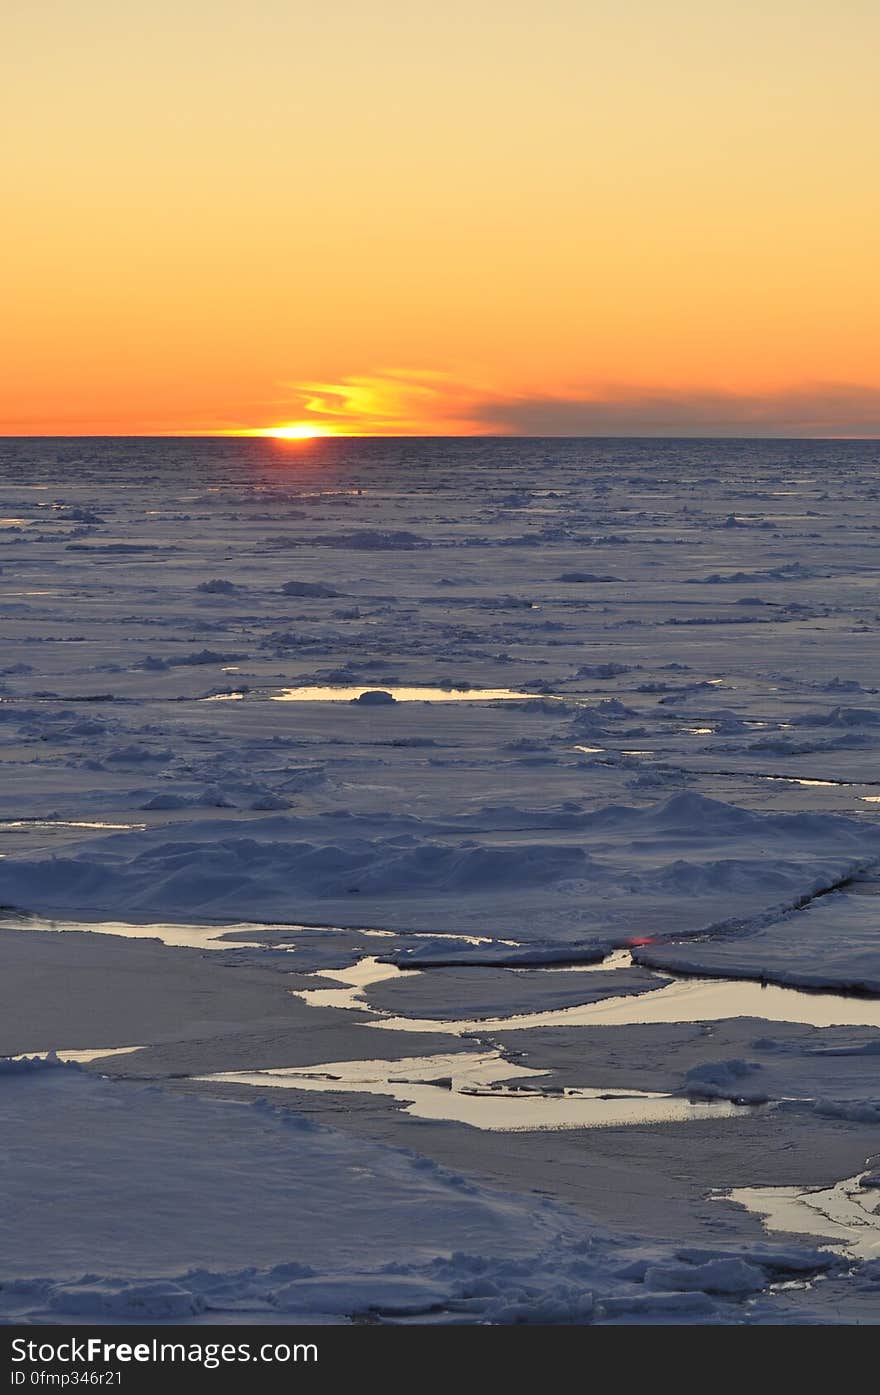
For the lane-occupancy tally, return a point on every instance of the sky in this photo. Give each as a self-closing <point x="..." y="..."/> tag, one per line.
<point x="397" y="217"/>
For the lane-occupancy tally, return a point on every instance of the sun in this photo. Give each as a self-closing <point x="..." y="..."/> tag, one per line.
<point x="288" y="431"/>
<point x="297" y="431"/>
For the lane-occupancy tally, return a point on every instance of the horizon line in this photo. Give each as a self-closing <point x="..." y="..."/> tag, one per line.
<point x="426" y="436"/>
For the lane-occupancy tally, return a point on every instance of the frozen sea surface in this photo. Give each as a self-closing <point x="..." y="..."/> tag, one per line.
<point x="549" y="766"/>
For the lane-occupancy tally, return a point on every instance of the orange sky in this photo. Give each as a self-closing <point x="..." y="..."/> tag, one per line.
<point x="405" y="218"/>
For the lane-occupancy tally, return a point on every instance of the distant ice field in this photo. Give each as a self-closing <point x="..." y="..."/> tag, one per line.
<point x="513" y="806"/>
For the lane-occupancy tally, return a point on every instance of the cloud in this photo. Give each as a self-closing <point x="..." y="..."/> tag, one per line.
<point x="425" y="402"/>
<point x="819" y="410"/>
<point x="396" y="402"/>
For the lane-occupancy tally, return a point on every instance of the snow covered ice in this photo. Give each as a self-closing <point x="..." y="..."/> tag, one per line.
<point x="475" y="845"/>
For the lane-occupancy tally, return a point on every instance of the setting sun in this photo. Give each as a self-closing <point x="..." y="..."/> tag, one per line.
<point x="296" y="431"/>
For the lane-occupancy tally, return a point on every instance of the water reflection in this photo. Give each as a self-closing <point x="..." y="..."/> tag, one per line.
<point x="676" y="1000"/>
<point x="77" y="1057"/>
<point x="847" y="1215"/>
<point x="66" y="823"/>
<point x="465" y="1088"/>
<point x="353" y="693"/>
<point x="231" y="935"/>
<point x="218" y="937"/>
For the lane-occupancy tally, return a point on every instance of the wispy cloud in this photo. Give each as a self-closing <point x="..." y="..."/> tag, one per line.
<point x="395" y="402"/>
<point x="416" y="402"/>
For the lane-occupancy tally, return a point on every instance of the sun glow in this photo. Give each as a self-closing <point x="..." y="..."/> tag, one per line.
<point x="296" y="431"/>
